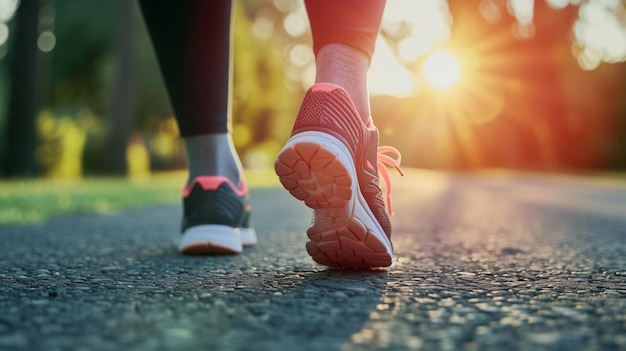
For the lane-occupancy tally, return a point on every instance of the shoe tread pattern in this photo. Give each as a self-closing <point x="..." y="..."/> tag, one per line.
<point x="313" y="174"/>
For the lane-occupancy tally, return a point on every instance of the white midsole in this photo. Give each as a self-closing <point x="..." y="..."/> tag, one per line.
<point x="248" y="236"/>
<point x="361" y="208"/>
<point x="222" y="235"/>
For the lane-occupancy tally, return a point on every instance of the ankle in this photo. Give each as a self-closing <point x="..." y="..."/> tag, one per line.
<point x="212" y="155"/>
<point x="347" y="67"/>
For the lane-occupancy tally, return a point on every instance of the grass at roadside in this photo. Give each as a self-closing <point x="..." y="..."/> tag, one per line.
<point x="35" y="200"/>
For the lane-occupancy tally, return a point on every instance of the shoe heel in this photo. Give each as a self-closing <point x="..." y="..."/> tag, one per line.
<point x="312" y="173"/>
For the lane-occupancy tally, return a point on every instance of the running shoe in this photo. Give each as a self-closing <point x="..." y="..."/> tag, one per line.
<point x="331" y="162"/>
<point x="216" y="217"/>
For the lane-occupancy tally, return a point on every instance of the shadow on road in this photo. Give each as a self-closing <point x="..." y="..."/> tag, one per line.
<point x="323" y="312"/>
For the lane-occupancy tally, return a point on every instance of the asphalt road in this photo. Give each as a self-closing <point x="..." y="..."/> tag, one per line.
<point x="489" y="262"/>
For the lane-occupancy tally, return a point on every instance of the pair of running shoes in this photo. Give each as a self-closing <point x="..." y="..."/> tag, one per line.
<point x="331" y="162"/>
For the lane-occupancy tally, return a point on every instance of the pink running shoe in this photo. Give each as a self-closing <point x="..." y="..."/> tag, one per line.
<point x="331" y="162"/>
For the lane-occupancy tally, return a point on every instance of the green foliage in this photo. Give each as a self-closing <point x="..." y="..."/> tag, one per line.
<point x="263" y="107"/>
<point x="62" y="141"/>
<point x="32" y="201"/>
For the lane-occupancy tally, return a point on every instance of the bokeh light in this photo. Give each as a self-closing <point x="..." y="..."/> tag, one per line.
<point x="7" y="9"/>
<point x="4" y="33"/>
<point x="558" y="4"/>
<point x="263" y="28"/>
<point x="522" y="10"/>
<point x="295" y="25"/>
<point x="490" y="11"/>
<point x="46" y="41"/>
<point x="600" y="32"/>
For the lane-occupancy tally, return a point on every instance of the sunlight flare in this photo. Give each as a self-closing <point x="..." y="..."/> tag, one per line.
<point x="442" y="70"/>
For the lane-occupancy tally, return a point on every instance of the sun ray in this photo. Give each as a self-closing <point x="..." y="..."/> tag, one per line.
<point x="462" y="134"/>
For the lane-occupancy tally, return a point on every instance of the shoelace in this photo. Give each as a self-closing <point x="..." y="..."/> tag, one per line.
<point x="385" y="160"/>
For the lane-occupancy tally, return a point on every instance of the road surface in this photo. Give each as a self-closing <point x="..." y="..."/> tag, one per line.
<point x="482" y="262"/>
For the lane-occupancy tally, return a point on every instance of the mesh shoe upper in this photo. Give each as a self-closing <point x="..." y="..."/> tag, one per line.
<point x="215" y="200"/>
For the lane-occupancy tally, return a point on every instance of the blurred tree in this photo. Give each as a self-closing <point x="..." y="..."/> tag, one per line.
<point x="122" y="110"/>
<point x="81" y="74"/>
<point x="20" y="141"/>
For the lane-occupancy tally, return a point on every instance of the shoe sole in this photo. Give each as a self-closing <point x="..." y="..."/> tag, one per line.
<point x="248" y="236"/>
<point x="317" y="168"/>
<point x="211" y="239"/>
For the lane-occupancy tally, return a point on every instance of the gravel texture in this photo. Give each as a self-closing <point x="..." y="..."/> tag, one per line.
<point x="482" y="263"/>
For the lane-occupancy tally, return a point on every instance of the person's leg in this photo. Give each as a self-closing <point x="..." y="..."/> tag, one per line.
<point x="331" y="160"/>
<point x="344" y="36"/>
<point x="192" y="40"/>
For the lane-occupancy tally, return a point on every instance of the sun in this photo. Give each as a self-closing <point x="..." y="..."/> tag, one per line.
<point x="441" y="70"/>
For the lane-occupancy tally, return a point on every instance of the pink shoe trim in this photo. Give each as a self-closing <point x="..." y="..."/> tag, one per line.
<point x="214" y="182"/>
<point x="327" y="87"/>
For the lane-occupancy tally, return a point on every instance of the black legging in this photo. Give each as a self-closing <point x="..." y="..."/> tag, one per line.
<point x="192" y="41"/>
<point x="192" y="44"/>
